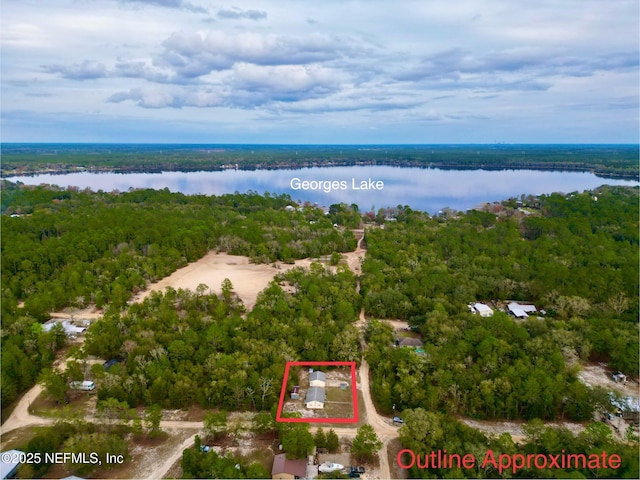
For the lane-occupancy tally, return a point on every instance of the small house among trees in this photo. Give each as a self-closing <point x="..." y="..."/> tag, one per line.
<point x="481" y="309"/>
<point x="409" y="342"/>
<point x="315" y="398"/>
<point x="318" y="379"/>
<point x="284" y="468"/>
<point x="521" y="311"/>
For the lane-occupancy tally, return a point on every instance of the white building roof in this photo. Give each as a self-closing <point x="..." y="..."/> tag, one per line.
<point x="318" y="376"/>
<point x="7" y="468"/>
<point x="518" y="312"/>
<point x="69" y="328"/>
<point x="483" y="309"/>
<point x="521" y="311"/>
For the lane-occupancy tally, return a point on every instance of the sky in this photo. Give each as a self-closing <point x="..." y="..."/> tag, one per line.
<point x="320" y="71"/>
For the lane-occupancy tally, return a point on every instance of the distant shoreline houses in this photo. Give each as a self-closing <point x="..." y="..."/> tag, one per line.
<point x="516" y="310"/>
<point x="521" y="311"/>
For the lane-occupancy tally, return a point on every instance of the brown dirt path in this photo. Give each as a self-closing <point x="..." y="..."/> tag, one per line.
<point x="20" y="417"/>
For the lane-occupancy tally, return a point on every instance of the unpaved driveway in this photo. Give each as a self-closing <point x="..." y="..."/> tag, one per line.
<point x="20" y="417"/>
<point x="159" y="470"/>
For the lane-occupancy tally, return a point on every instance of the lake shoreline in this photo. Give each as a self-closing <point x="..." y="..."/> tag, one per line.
<point x="607" y="161"/>
<point x="426" y="189"/>
<point x="64" y="170"/>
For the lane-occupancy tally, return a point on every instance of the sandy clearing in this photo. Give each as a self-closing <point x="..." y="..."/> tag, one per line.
<point x="248" y="279"/>
<point x="515" y="428"/>
<point x="599" y="376"/>
<point x="89" y="313"/>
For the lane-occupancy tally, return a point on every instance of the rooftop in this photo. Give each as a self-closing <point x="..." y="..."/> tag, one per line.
<point x="315" y="394"/>
<point x="281" y="464"/>
<point x="318" y="376"/>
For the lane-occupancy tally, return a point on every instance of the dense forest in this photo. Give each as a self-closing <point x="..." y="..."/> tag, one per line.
<point x="425" y="432"/>
<point x="180" y="348"/>
<point x="574" y="257"/>
<point x="619" y="161"/>
<point x="76" y="248"/>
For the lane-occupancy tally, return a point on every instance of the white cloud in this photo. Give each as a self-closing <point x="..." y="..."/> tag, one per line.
<point x="236" y="13"/>
<point x="196" y="54"/>
<point x="178" y="4"/>
<point x="351" y="64"/>
<point x="86" y="70"/>
<point x="24" y="35"/>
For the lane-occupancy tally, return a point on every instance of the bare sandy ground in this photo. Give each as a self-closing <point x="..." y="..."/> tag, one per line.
<point x="515" y="428"/>
<point x="598" y="376"/>
<point x="248" y="279"/>
<point x="89" y="313"/>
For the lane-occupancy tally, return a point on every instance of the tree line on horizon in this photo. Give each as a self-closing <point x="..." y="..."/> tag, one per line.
<point x="618" y="161"/>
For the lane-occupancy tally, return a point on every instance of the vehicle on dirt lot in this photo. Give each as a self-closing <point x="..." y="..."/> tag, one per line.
<point x="85" y="385"/>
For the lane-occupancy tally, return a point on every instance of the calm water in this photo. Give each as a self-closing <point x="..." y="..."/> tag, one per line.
<point x="422" y="189"/>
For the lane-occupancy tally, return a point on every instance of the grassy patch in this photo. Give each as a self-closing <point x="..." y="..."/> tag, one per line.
<point x="362" y="413"/>
<point x="18" y="438"/>
<point x="338" y="410"/>
<point x="338" y="403"/>
<point x="407" y="334"/>
<point x="393" y="447"/>
<point x="79" y="406"/>
<point x="261" y="455"/>
<point x="338" y="395"/>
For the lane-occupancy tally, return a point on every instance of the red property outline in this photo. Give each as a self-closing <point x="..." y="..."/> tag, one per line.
<point x="354" y="393"/>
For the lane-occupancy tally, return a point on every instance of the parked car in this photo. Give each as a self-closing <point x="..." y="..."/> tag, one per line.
<point x="397" y="420"/>
<point x="205" y="448"/>
<point x="358" y="470"/>
<point x="354" y="475"/>
<point x="330" y="467"/>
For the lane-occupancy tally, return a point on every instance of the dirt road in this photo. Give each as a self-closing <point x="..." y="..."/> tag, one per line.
<point x="20" y="417"/>
<point x="161" y="470"/>
<point x="382" y="426"/>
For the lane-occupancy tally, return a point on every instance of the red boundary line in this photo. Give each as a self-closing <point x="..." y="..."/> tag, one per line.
<point x="354" y="394"/>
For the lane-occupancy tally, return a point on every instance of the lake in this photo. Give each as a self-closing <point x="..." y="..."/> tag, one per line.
<point x="427" y="189"/>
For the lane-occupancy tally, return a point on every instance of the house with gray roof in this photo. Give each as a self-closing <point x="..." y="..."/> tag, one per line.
<point x="318" y="379"/>
<point x="315" y="398"/>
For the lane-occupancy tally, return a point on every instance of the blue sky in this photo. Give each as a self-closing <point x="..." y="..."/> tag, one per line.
<point x="321" y="71"/>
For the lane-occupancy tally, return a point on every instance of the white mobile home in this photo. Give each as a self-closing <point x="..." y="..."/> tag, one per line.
<point x="318" y="379"/>
<point x="315" y="398"/>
